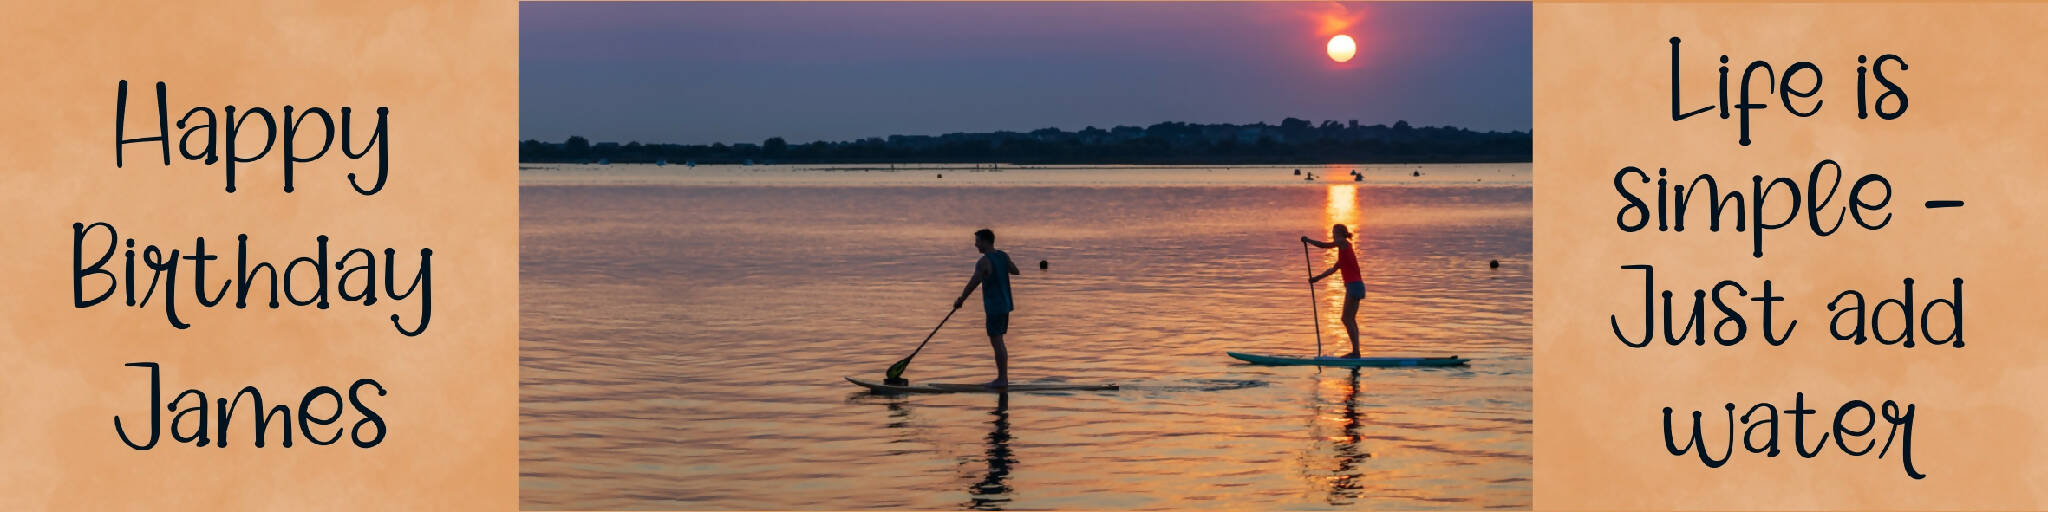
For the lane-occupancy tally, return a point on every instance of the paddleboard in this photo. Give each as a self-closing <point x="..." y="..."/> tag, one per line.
<point x="941" y="387"/>
<point x="1376" y="362"/>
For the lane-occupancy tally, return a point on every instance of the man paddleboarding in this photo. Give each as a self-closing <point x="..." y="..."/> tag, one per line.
<point x="1354" y="285"/>
<point x="992" y="274"/>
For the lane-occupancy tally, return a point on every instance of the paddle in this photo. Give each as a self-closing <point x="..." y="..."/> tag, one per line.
<point x="1317" y="315"/>
<point x="894" y="376"/>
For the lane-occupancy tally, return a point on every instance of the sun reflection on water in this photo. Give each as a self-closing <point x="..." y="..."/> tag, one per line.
<point x="1340" y="207"/>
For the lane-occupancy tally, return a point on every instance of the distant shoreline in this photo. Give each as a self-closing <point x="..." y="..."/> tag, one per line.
<point x="967" y="164"/>
<point x="948" y="175"/>
<point x="998" y="167"/>
<point x="1292" y="142"/>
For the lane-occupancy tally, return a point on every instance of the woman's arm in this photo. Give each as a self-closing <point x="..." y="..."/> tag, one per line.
<point x="1318" y="243"/>
<point x="1326" y="273"/>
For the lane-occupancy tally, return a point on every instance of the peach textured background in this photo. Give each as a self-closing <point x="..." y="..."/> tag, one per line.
<point x="449" y="73"/>
<point x="1973" y="132"/>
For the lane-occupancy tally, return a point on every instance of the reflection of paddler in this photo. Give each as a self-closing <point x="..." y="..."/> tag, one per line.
<point x="1349" y="454"/>
<point x="994" y="489"/>
<point x="992" y="274"/>
<point x="1354" y="283"/>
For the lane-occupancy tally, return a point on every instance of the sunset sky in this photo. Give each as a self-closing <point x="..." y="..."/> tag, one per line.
<point x="698" y="73"/>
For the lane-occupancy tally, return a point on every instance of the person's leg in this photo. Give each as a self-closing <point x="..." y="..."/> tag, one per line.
<point x="1353" y="294"/>
<point x="1351" y="323"/>
<point x="1002" y="361"/>
<point x="998" y="325"/>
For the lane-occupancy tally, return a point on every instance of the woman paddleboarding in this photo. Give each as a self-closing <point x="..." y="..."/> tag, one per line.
<point x="1354" y="284"/>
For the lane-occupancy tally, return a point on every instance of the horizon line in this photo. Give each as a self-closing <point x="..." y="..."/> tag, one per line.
<point x="1312" y="125"/>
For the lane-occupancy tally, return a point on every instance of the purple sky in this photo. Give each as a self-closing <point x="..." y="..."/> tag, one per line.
<point x="742" y="72"/>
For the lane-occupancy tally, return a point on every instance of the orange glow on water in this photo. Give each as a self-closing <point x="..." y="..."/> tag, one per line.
<point x="1302" y="438"/>
<point x="1342" y="207"/>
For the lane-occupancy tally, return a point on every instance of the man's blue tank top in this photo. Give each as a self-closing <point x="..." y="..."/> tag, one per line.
<point x="995" y="288"/>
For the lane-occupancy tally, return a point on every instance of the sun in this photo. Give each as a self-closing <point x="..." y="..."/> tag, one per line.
<point x="1342" y="48"/>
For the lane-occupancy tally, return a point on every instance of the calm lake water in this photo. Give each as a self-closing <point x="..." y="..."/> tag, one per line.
<point x="684" y="333"/>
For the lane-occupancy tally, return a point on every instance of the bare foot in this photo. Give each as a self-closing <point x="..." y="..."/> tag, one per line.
<point x="997" y="384"/>
<point x="1353" y="355"/>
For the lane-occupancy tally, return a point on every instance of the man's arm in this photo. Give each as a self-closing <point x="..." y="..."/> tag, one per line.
<point x="980" y="269"/>
<point x="1326" y="273"/>
<point x="1012" y="264"/>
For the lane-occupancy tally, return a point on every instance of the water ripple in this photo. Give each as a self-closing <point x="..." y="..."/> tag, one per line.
<point x="682" y="347"/>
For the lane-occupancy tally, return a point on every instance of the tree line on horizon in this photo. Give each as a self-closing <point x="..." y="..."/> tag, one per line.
<point x="1293" y="141"/>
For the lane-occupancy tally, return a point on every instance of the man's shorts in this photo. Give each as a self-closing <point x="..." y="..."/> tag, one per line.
<point x="998" y="324"/>
<point x="1354" y="290"/>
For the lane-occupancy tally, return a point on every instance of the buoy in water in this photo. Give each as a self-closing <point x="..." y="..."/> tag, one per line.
<point x="1492" y="263"/>
<point x="1297" y="172"/>
<point x="942" y="176"/>
<point x="1417" y="173"/>
<point x="1042" y="264"/>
